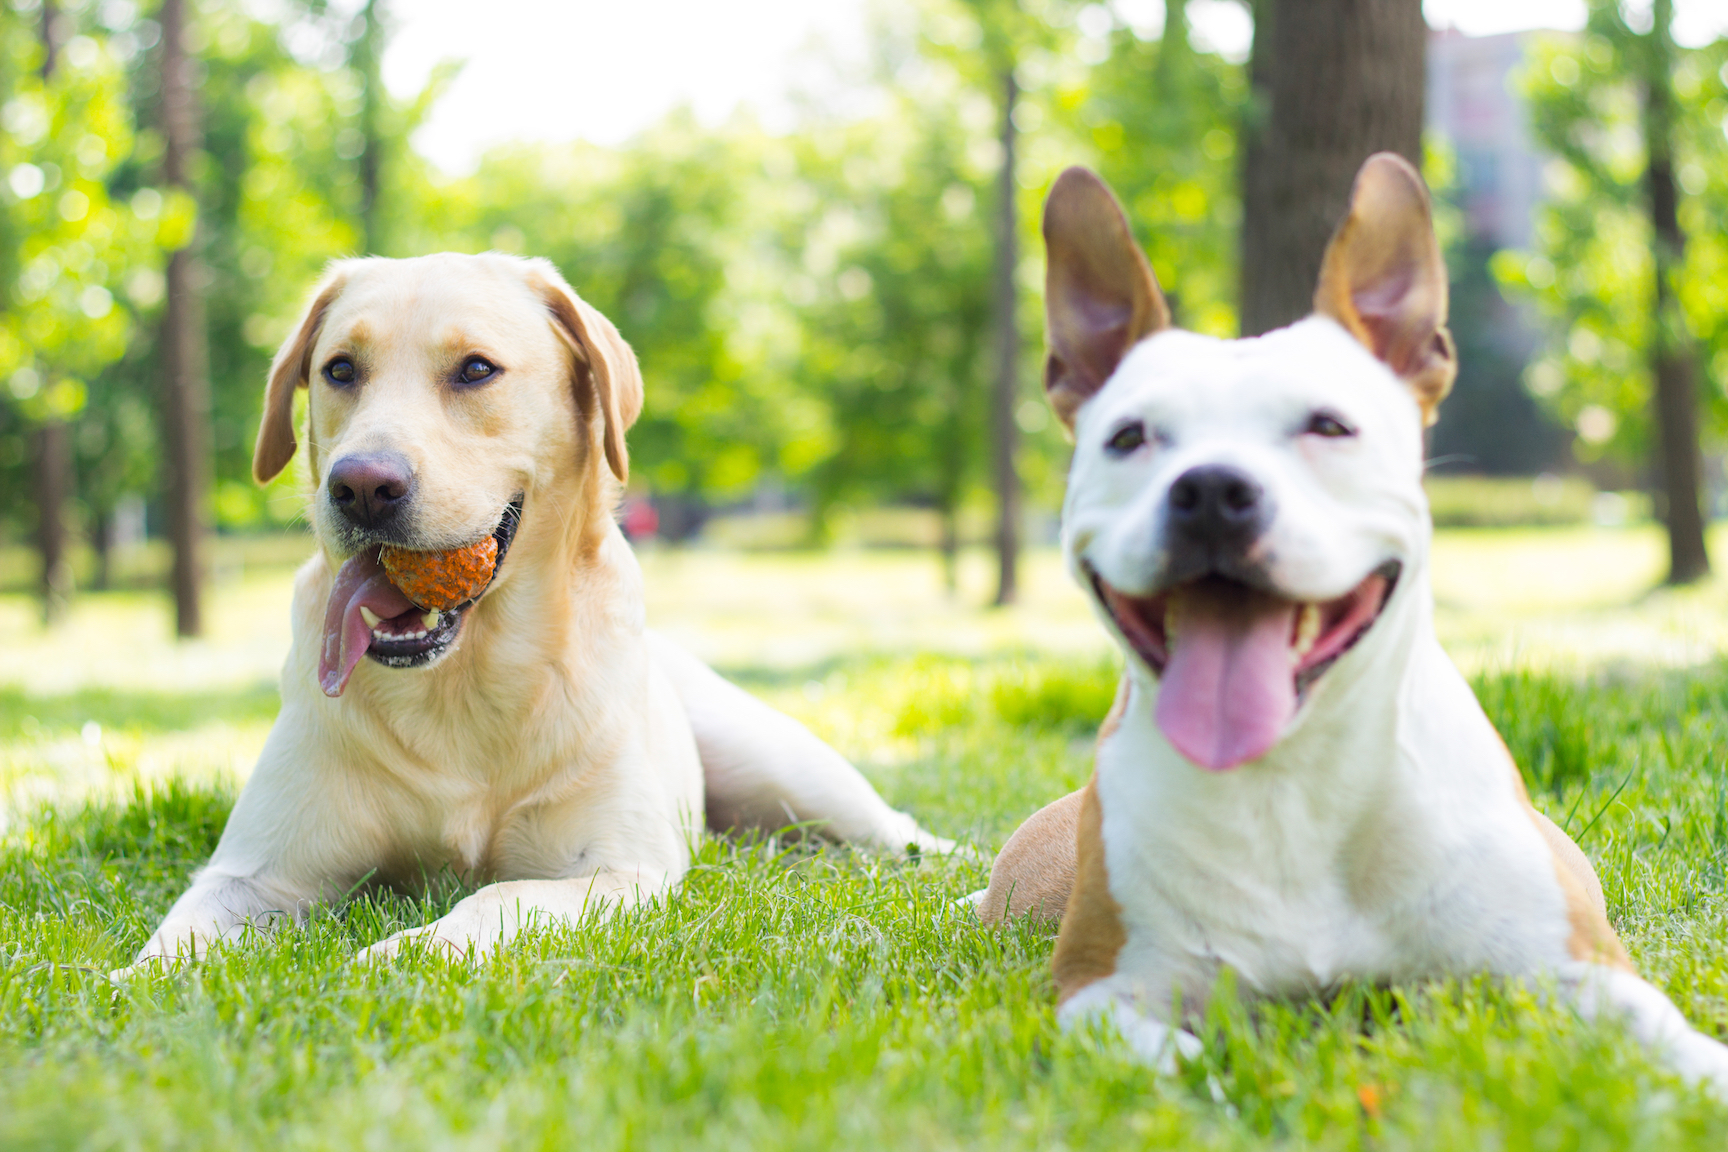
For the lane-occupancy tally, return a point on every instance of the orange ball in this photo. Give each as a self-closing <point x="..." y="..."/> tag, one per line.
<point x="441" y="580"/>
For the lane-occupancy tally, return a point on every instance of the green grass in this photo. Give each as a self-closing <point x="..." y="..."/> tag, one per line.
<point x="786" y="997"/>
<point x="791" y="998"/>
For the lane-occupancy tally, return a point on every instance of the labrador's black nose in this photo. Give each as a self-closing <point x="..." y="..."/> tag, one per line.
<point x="1217" y="504"/>
<point x="370" y="489"/>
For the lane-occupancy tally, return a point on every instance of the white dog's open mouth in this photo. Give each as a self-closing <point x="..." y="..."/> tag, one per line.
<point x="367" y="615"/>
<point x="1234" y="662"/>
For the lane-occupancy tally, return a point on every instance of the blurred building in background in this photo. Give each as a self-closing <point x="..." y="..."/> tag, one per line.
<point x="1471" y="103"/>
<point x="1491" y="423"/>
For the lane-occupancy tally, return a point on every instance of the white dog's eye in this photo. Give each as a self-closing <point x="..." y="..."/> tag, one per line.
<point x="476" y="369"/>
<point x="340" y="371"/>
<point x="1126" y="439"/>
<point x="1327" y="425"/>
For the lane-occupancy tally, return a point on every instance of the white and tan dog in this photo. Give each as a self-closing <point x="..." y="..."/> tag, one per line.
<point x="535" y="739"/>
<point x="1296" y="783"/>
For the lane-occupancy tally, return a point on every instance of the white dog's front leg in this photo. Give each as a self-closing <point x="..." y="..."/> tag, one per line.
<point x="491" y="917"/>
<point x="1598" y="990"/>
<point x="217" y="908"/>
<point x="1153" y="1041"/>
<point x="763" y="769"/>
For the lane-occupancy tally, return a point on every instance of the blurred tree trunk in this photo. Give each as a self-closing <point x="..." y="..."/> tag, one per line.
<point x="950" y="483"/>
<point x="368" y="58"/>
<point x="186" y="390"/>
<point x="53" y="488"/>
<point x="101" y="544"/>
<point x="53" y="440"/>
<point x="1332" y="81"/>
<point x="1674" y="359"/>
<point x="1004" y="431"/>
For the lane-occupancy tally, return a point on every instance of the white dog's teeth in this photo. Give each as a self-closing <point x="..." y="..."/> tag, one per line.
<point x="372" y="618"/>
<point x="430" y="619"/>
<point x="1307" y="631"/>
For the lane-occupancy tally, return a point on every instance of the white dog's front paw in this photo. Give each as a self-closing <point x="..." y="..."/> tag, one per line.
<point x="1702" y="1060"/>
<point x="1159" y="1045"/>
<point x="1156" y="1043"/>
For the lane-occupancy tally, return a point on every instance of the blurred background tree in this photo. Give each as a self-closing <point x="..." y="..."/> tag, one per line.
<point x="1630" y="254"/>
<point x="832" y="316"/>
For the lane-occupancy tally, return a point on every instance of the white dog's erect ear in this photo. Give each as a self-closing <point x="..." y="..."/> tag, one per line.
<point x="291" y="369"/>
<point x="1384" y="280"/>
<point x="1100" y="296"/>
<point x="603" y="359"/>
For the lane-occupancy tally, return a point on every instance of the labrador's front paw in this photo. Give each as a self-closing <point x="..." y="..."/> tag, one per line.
<point x="466" y="933"/>
<point x="145" y="966"/>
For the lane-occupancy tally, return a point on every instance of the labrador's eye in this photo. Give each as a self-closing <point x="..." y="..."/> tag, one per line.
<point x="477" y="368"/>
<point x="1327" y="425"/>
<point x="340" y="371"/>
<point x="1126" y="439"/>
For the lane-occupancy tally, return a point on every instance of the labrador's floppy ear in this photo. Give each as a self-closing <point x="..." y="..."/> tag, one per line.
<point x="1100" y="297"/>
<point x="602" y="357"/>
<point x="1384" y="280"/>
<point x="291" y="369"/>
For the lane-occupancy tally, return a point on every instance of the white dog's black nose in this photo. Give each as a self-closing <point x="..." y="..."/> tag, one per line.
<point x="1217" y="503"/>
<point x="369" y="490"/>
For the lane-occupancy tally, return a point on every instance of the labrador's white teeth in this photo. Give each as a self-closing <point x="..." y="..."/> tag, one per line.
<point x="372" y="618"/>
<point x="430" y="619"/>
<point x="1307" y="631"/>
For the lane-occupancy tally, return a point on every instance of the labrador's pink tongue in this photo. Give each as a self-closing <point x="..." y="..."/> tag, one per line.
<point x="360" y="582"/>
<point x="1229" y="687"/>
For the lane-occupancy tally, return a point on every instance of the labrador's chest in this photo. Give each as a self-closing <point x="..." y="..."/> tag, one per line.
<point x="502" y="795"/>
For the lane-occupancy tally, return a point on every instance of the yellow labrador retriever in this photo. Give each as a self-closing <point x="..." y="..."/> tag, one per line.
<point x="536" y="738"/>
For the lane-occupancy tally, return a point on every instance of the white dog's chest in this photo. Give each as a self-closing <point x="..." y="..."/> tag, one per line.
<point x="1283" y="931"/>
<point x="1296" y="893"/>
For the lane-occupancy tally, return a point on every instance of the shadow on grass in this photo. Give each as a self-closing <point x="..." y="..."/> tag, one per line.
<point x="22" y="714"/>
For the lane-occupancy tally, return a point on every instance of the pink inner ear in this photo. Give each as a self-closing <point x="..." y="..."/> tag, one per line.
<point x="1384" y="297"/>
<point x="1382" y="307"/>
<point x="1107" y="332"/>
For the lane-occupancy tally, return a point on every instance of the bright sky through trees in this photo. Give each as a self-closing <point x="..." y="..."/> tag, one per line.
<point x="577" y="69"/>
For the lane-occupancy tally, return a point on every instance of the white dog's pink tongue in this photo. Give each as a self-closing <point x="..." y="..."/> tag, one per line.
<point x="360" y="583"/>
<point x="1228" y="689"/>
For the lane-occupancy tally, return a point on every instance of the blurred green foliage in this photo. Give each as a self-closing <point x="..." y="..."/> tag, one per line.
<point x="1591" y="271"/>
<point x="811" y="308"/>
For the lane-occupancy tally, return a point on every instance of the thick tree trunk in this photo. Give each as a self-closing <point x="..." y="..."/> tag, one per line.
<point x="1674" y="362"/>
<point x="1340" y="79"/>
<point x="53" y="489"/>
<point x="186" y="390"/>
<point x="1004" y="430"/>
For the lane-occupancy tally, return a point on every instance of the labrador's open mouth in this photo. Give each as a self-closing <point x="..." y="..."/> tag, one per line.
<point x="1234" y="662"/>
<point x="369" y="616"/>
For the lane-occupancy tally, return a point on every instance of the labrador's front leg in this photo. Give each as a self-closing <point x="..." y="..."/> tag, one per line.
<point x="217" y="907"/>
<point x="492" y="917"/>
